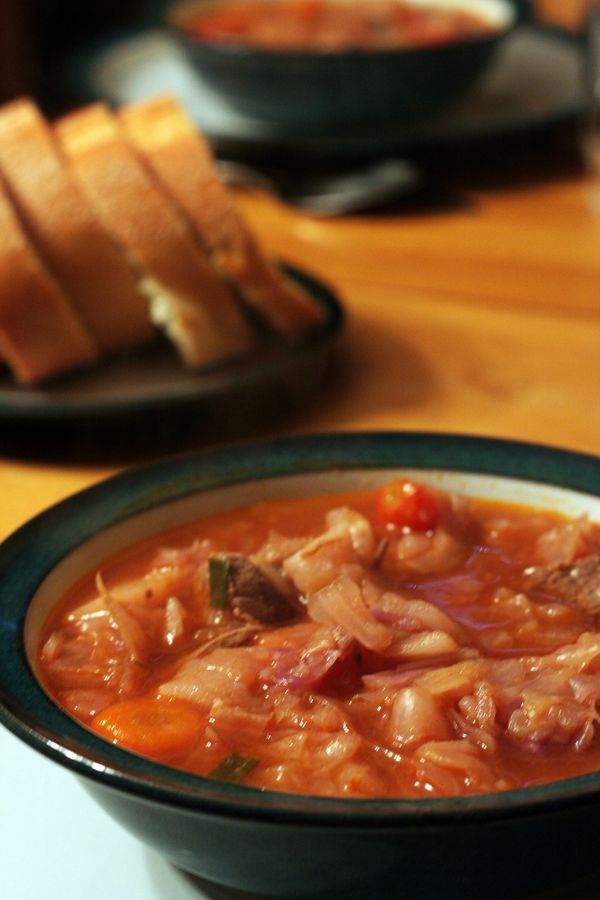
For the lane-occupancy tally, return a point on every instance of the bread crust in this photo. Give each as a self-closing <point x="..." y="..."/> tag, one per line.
<point x="68" y="234"/>
<point x="195" y="306"/>
<point x="40" y="334"/>
<point x="183" y="163"/>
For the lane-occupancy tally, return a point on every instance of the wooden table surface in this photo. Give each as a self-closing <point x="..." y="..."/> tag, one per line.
<point x="475" y="311"/>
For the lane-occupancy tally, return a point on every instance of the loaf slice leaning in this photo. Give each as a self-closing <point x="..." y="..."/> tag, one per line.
<point x="183" y="163"/>
<point x="68" y="234"/>
<point x="41" y="336"/>
<point x="188" y="298"/>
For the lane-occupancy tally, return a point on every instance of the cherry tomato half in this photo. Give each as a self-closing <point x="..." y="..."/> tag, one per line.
<point x="408" y="504"/>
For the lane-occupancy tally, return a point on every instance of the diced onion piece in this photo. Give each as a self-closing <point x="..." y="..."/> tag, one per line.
<point x="342" y="602"/>
<point x="416" y="717"/>
<point x="424" y="644"/>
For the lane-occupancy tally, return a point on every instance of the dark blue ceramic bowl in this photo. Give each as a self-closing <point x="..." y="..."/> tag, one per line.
<point x="282" y="845"/>
<point x="307" y="90"/>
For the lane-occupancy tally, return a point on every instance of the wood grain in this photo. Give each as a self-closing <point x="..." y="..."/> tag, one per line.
<point x="482" y="317"/>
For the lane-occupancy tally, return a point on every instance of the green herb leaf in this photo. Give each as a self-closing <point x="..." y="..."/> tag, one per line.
<point x="218" y="574"/>
<point x="233" y="768"/>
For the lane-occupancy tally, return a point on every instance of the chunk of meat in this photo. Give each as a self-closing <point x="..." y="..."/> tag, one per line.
<point x="257" y="592"/>
<point x="577" y="583"/>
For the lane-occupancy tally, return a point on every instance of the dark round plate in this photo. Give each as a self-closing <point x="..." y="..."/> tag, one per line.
<point x="144" y="400"/>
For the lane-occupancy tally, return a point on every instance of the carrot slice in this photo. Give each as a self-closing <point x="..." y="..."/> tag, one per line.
<point x="155" y="728"/>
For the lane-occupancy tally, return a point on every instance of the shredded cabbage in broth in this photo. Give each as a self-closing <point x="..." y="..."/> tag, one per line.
<point x="402" y="643"/>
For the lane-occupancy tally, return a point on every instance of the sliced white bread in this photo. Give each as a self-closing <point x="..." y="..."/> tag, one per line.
<point x="41" y="336"/>
<point x="188" y="299"/>
<point x="68" y="234"/>
<point x="184" y="165"/>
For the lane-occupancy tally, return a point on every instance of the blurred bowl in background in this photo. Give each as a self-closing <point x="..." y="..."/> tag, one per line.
<point x="341" y="81"/>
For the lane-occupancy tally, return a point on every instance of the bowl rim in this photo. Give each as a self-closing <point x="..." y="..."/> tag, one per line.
<point x="31" y="552"/>
<point x="175" y="15"/>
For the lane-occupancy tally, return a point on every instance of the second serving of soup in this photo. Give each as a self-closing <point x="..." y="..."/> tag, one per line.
<point x="404" y="642"/>
<point x="334" y="25"/>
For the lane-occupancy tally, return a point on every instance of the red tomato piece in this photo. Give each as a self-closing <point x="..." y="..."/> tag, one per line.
<point x="408" y="504"/>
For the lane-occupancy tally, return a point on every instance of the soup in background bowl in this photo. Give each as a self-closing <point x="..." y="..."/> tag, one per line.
<point x="220" y="821"/>
<point x="335" y="25"/>
<point x="322" y="63"/>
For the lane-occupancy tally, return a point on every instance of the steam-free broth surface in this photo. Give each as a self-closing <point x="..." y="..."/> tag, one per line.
<point x="405" y="642"/>
<point x="333" y="25"/>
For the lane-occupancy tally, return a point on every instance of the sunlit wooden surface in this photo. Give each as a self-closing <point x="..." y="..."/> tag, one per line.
<point x="478" y="313"/>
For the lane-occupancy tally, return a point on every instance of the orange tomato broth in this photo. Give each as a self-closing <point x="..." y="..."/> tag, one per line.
<point x="381" y="769"/>
<point x="323" y="25"/>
